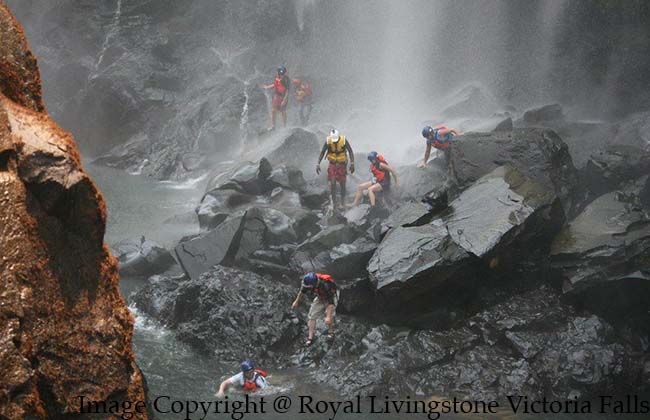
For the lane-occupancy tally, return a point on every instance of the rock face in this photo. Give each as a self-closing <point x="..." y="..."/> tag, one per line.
<point x="496" y="220"/>
<point x="609" y="168"/>
<point x="538" y="154"/>
<point x="544" y="115"/>
<point x="604" y="256"/>
<point x="66" y="330"/>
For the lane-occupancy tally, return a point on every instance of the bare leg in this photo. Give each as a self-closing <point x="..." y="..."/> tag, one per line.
<point x="371" y="193"/>
<point x="343" y="193"/>
<point x="284" y="117"/>
<point x="273" y="112"/>
<point x="312" y="327"/>
<point x="333" y="192"/>
<point x="359" y="193"/>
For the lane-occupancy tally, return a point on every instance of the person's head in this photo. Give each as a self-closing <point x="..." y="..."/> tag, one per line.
<point x="373" y="157"/>
<point x="247" y="368"/>
<point x="427" y="132"/>
<point x="334" y="135"/>
<point x="282" y="70"/>
<point x="310" y="279"/>
<point x="296" y="83"/>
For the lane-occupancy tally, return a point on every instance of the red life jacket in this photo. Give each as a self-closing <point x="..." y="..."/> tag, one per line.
<point x="279" y="85"/>
<point x="320" y="292"/>
<point x="252" y="385"/>
<point x="377" y="172"/>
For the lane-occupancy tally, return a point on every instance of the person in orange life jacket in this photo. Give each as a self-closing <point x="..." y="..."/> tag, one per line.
<point x="325" y="300"/>
<point x="338" y="150"/>
<point x="381" y="178"/>
<point x="439" y="137"/>
<point x="280" y="86"/>
<point x="303" y="94"/>
<point x="249" y="379"/>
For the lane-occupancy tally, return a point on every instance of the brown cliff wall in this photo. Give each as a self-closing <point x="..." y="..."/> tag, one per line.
<point x="65" y="330"/>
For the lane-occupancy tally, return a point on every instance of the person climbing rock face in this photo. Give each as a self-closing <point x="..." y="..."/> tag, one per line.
<point x="280" y="87"/>
<point x="249" y="379"/>
<point x="325" y="300"/>
<point x="439" y="137"/>
<point x="381" y="179"/>
<point x="338" y="150"/>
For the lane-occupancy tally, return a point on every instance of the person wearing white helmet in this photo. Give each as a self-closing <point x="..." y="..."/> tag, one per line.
<point x="338" y="150"/>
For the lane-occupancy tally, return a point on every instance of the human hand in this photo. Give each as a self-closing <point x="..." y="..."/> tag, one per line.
<point x="352" y="168"/>
<point x="422" y="165"/>
<point x="219" y="394"/>
<point x="318" y="168"/>
<point x="328" y="321"/>
<point x="294" y="305"/>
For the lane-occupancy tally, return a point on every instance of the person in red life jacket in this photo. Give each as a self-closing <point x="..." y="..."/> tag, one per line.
<point x="303" y="94"/>
<point x="325" y="300"/>
<point x="439" y="137"/>
<point x="280" y="88"/>
<point x="381" y="178"/>
<point x="338" y="150"/>
<point x="249" y="379"/>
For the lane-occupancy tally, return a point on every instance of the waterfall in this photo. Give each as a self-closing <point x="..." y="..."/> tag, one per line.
<point x="113" y="29"/>
<point x="302" y="8"/>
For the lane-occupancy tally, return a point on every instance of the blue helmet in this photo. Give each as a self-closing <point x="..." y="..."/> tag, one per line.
<point x="310" y="279"/>
<point x="282" y="70"/>
<point x="372" y="156"/>
<point x="246" y="365"/>
<point x="427" y="131"/>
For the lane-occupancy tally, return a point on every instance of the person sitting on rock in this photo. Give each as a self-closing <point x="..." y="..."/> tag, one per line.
<point x="304" y="95"/>
<point x="249" y="379"/>
<point x="280" y="86"/>
<point x="381" y="178"/>
<point x="439" y="137"/>
<point x="338" y="149"/>
<point x="325" y="300"/>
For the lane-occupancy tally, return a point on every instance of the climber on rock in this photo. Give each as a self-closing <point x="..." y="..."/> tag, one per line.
<point x="381" y="179"/>
<point x="280" y="87"/>
<point x="338" y="149"/>
<point x="325" y="301"/>
<point x="249" y="379"/>
<point x="439" y="137"/>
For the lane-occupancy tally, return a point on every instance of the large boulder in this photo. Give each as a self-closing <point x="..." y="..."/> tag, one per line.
<point x="299" y="149"/>
<point x="536" y="153"/>
<point x="608" y="169"/>
<point x="250" y="315"/>
<point x="498" y="220"/>
<point x="634" y="131"/>
<point x="415" y="183"/>
<point x="604" y="256"/>
<point x="546" y="114"/>
<point x="470" y="101"/>
<point x="140" y="257"/>
<point x="65" y="329"/>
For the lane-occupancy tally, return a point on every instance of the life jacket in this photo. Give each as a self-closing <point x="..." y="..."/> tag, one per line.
<point x="439" y="142"/>
<point x="336" y="151"/>
<point x="325" y="278"/>
<point x="377" y="172"/>
<point x="280" y="85"/>
<point x="252" y="385"/>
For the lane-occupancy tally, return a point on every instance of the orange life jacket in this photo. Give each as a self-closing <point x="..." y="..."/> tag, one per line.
<point x="322" y="294"/>
<point x="252" y="385"/>
<point x="377" y="172"/>
<point x="279" y="85"/>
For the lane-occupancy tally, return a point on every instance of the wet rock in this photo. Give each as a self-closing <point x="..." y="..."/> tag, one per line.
<point x="603" y="255"/>
<point x="538" y="154"/>
<point x="542" y="115"/>
<point x="357" y="296"/>
<point x="65" y="329"/>
<point x="199" y="254"/>
<point x="331" y="244"/>
<point x="416" y="182"/>
<point x="359" y="217"/>
<point x="287" y="177"/>
<point x="634" y="131"/>
<point x="139" y="257"/>
<point x="608" y="169"/>
<point x="315" y="195"/>
<point x="296" y="150"/>
<point x="412" y="213"/>
<point x="503" y="216"/>
<point x="227" y="305"/>
<point x="217" y="205"/>
<point x="505" y="125"/>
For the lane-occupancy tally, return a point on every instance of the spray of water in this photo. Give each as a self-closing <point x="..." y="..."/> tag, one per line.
<point x="113" y="30"/>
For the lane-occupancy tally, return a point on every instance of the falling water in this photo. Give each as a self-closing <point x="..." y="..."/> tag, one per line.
<point x="112" y="31"/>
<point x="302" y="8"/>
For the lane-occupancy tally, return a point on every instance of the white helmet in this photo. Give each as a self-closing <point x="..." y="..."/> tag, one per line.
<point x="334" y="135"/>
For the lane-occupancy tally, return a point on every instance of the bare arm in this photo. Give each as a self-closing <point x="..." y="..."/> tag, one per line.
<point x="297" y="301"/>
<point x="222" y="388"/>
<point x="350" y="152"/>
<point x="322" y="153"/>
<point x="390" y="169"/>
<point x="427" y="153"/>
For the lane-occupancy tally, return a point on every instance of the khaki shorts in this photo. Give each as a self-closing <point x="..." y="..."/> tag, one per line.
<point x="318" y="307"/>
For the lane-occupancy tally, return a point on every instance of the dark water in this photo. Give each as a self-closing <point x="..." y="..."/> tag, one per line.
<point x="139" y="206"/>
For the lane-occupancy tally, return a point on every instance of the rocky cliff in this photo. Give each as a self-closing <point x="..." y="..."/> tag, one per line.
<point x="65" y="330"/>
